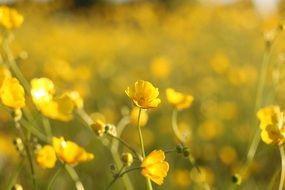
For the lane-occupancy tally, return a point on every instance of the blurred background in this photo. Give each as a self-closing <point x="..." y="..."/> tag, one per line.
<point x="211" y="49"/>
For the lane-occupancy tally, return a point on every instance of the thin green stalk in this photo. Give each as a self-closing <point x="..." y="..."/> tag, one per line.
<point x="14" y="177"/>
<point x="282" y="176"/>
<point x="33" y="130"/>
<point x="175" y="127"/>
<point x="74" y="176"/>
<point x="47" y="127"/>
<point x="149" y="185"/>
<point x="55" y="176"/>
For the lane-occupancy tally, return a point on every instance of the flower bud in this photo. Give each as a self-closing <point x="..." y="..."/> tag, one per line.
<point x="127" y="158"/>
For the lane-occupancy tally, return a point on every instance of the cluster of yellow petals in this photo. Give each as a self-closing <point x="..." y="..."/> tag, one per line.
<point x="143" y="94"/>
<point x="272" y="125"/>
<point x="178" y="100"/>
<point x="12" y="93"/>
<point x="10" y="18"/>
<point x="46" y="157"/>
<point x="155" y="167"/>
<point x="60" y="108"/>
<point x="69" y="152"/>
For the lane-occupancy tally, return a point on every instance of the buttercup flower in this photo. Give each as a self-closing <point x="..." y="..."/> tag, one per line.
<point x="69" y="152"/>
<point x="272" y="125"/>
<point x="10" y="18"/>
<point x="42" y="90"/>
<point x="154" y="167"/>
<point x="12" y="93"/>
<point x="60" y="108"/>
<point x="178" y="100"/>
<point x="144" y="94"/>
<point x="4" y="73"/>
<point x="46" y="157"/>
<point x="99" y="127"/>
<point x="127" y="158"/>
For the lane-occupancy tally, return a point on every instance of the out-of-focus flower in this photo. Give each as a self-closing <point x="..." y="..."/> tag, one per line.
<point x="160" y="67"/>
<point x="12" y="93"/>
<point x="272" y="125"/>
<point x="127" y="158"/>
<point x="4" y="73"/>
<point x="144" y="94"/>
<point x="178" y="100"/>
<point x="46" y="157"/>
<point x="10" y="18"/>
<point x="61" y="108"/>
<point x="99" y="127"/>
<point x="181" y="178"/>
<point x="17" y="187"/>
<point x="69" y="152"/>
<point x="143" y="116"/>
<point x="228" y="155"/>
<point x="154" y="167"/>
<point x="76" y="98"/>
<point x="42" y="90"/>
<point x="220" y="63"/>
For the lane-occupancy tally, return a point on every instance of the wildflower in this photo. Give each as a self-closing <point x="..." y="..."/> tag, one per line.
<point x="4" y="73"/>
<point x="178" y="100"/>
<point x="17" y="187"/>
<point x="272" y="125"/>
<point x="12" y="93"/>
<point x="69" y="152"/>
<point x="10" y="18"/>
<point x="60" y="108"/>
<point x="76" y="98"/>
<point x="42" y="90"/>
<point x="46" y="157"/>
<point x="127" y="158"/>
<point x="99" y="127"/>
<point x="144" y="94"/>
<point x="154" y="167"/>
<point x="143" y="116"/>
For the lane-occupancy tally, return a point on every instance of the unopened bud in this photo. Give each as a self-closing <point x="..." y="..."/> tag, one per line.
<point x="127" y="158"/>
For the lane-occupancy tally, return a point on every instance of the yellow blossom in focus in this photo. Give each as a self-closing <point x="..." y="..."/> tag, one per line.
<point x="143" y="116"/>
<point x="144" y="94"/>
<point x="42" y="90"/>
<point x="10" y="18"/>
<point x="154" y="167"/>
<point x="178" y="100"/>
<point x="46" y="157"/>
<point x="271" y="125"/>
<point x="12" y="93"/>
<point x="69" y="152"/>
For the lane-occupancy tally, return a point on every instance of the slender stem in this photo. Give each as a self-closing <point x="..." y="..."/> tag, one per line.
<point x="15" y="175"/>
<point x="47" y="127"/>
<point x="175" y="127"/>
<point x="126" y="145"/>
<point x="121" y="174"/>
<point x="149" y="185"/>
<point x="74" y="176"/>
<point x="33" y="130"/>
<point x="55" y="176"/>
<point x="282" y="176"/>
<point x="28" y="152"/>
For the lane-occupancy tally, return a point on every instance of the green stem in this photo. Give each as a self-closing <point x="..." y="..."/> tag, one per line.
<point x="175" y="127"/>
<point x="282" y="154"/>
<point x="74" y="176"/>
<point x="33" y="130"/>
<point x="12" y="181"/>
<point x="47" y="127"/>
<point x="149" y="185"/>
<point x="55" y="176"/>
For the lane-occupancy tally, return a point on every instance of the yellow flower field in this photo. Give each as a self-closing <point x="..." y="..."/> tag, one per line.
<point x="170" y="95"/>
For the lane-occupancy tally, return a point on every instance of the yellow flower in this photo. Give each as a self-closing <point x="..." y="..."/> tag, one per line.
<point x="99" y="127"/>
<point x="10" y="18"/>
<point x="272" y="125"/>
<point x="42" y="90"/>
<point x="127" y="158"/>
<point x="76" y="98"/>
<point x="46" y="157"/>
<point x="154" y="167"/>
<point x="143" y="94"/>
<point x="178" y="100"/>
<point x="4" y="73"/>
<point x="69" y="152"/>
<point x="61" y="108"/>
<point x="12" y="93"/>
